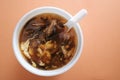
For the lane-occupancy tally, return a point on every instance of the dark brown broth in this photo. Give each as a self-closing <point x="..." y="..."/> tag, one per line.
<point x="45" y="42"/>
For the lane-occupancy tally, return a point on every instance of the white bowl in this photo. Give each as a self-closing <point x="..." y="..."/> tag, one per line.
<point x="20" y="57"/>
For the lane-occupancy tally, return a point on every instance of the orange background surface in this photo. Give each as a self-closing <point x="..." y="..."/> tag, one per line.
<point x="100" y="59"/>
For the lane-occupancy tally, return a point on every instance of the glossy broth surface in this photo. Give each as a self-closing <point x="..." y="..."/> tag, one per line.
<point x="46" y="43"/>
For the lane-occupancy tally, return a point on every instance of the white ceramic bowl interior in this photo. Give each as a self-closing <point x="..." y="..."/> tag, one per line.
<point x="20" y="57"/>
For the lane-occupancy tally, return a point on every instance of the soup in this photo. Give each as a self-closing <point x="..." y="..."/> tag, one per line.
<point x="46" y="43"/>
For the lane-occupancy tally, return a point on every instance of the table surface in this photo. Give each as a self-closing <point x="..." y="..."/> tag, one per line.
<point x="100" y="59"/>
